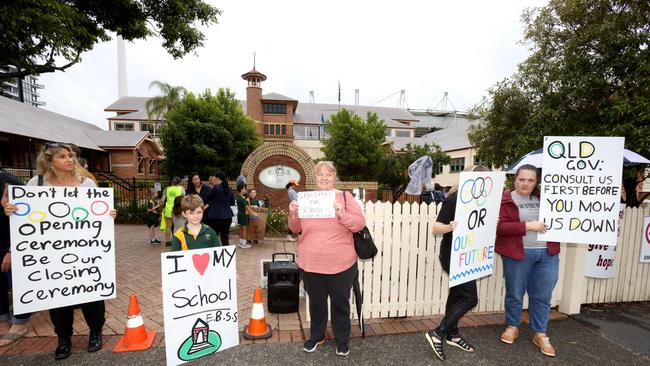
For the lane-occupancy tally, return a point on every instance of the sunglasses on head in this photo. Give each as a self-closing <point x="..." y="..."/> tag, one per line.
<point x="53" y="145"/>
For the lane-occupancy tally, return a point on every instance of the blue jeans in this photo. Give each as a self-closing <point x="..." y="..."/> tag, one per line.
<point x="537" y="273"/>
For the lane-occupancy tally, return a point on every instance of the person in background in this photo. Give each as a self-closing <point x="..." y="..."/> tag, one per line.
<point x="438" y="194"/>
<point x="242" y="216"/>
<point x="293" y="196"/>
<point x="529" y="265"/>
<point x="195" y="186"/>
<point x="153" y="215"/>
<point x="253" y="209"/>
<point x="169" y="194"/>
<point x="58" y="166"/>
<point x="328" y="262"/>
<point x="242" y="179"/>
<point x="178" y="219"/>
<point x="461" y="298"/>
<point x="219" y="200"/>
<point x="212" y="181"/>
<point x="12" y="327"/>
<point x="194" y="234"/>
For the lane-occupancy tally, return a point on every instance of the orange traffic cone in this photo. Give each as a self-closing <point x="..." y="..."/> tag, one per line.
<point x="136" y="337"/>
<point x="257" y="327"/>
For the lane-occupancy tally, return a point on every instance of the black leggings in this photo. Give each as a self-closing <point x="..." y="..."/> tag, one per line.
<point x="63" y="317"/>
<point x="461" y="299"/>
<point x="221" y="226"/>
<point x="337" y="287"/>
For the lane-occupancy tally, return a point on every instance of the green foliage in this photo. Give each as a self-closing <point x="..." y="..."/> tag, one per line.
<point x="355" y="145"/>
<point x="393" y="169"/>
<point x="35" y="33"/>
<point x="207" y="133"/>
<point x="588" y="74"/>
<point x="161" y="104"/>
<point x="277" y="221"/>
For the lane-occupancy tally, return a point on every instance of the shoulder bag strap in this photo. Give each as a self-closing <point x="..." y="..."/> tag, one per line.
<point x="181" y="238"/>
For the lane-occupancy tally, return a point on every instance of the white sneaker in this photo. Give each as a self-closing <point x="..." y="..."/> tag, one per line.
<point x="290" y="238"/>
<point x="245" y="245"/>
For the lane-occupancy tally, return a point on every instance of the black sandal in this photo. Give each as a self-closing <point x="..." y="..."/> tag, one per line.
<point x="460" y="342"/>
<point x="437" y="346"/>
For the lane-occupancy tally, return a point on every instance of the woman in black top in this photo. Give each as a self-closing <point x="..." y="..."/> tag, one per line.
<point x="218" y="214"/>
<point x="461" y="298"/>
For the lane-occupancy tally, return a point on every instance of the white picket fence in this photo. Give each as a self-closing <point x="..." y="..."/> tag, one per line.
<point x="406" y="279"/>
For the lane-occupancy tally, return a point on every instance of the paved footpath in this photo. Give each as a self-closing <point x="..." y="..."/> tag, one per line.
<point x="576" y="344"/>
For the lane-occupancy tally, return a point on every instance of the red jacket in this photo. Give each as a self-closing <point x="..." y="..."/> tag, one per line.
<point x="511" y="231"/>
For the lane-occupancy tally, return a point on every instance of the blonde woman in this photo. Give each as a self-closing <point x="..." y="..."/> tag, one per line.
<point x="58" y="166"/>
<point x="328" y="262"/>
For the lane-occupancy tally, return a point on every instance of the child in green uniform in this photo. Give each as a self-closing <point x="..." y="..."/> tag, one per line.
<point x="195" y="234"/>
<point x="153" y="215"/>
<point x="242" y="216"/>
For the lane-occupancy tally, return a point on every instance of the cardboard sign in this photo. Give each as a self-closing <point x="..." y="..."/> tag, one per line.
<point x="645" y="241"/>
<point x="599" y="261"/>
<point x="199" y="302"/>
<point x="316" y="205"/>
<point x="62" y="246"/>
<point x="581" y="189"/>
<point x="477" y="211"/>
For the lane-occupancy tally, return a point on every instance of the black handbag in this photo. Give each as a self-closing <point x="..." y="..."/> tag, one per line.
<point x="363" y="243"/>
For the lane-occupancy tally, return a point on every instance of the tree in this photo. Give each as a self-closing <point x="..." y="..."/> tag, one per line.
<point x="37" y="32"/>
<point x="207" y="133"/>
<point x="355" y="145"/>
<point x="588" y="74"/>
<point x="393" y="169"/>
<point x="161" y="104"/>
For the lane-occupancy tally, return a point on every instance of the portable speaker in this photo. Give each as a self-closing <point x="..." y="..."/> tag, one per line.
<point x="283" y="285"/>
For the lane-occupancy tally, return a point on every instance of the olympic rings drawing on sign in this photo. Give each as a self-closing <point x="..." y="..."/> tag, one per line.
<point x="77" y="213"/>
<point x="481" y="187"/>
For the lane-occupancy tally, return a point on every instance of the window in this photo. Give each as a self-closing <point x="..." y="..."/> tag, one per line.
<point x="151" y="167"/>
<point x="123" y="126"/>
<point x="141" y="164"/>
<point x="479" y="161"/>
<point x="145" y="126"/>
<point x="284" y="130"/>
<point x="308" y="132"/>
<point x="272" y="108"/>
<point x="402" y="133"/>
<point x="277" y="129"/>
<point x="266" y="129"/>
<point x="457" y="165"/>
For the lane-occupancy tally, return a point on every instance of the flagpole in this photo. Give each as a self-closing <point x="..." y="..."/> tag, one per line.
<point x="339" y="95"/>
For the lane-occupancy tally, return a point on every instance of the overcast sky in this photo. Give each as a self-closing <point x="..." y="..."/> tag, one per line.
<point x="462" y="47"/>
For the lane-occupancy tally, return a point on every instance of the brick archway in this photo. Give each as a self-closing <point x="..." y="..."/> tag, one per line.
<point x="280" y="148"/>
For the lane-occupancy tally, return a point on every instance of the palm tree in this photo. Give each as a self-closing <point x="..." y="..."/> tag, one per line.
<point x="161" y="104"/>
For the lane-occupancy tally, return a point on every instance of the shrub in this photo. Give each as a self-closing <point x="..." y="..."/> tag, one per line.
<point x="276" y="221"/>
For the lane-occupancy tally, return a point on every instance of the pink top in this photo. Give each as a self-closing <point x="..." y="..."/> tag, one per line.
<point x="326" y="245"/>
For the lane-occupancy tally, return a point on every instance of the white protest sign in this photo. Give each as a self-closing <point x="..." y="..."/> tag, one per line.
<point x="645" y="241"/>
<point x="599" y="260"/>
<point x="581" y="189"/>
<point x="62" y="246"/>
<point x="199" y="302"/>
<point x="316" y="205"/>
<point x="477" y="211"/>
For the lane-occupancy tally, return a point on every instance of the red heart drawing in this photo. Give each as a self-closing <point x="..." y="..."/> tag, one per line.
<point x="201" y="262"/>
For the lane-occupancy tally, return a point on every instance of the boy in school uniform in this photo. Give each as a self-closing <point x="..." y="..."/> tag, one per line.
<point x="195" y="234"/>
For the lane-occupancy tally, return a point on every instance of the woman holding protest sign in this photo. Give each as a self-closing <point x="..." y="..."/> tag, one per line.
<point x="461" y="298"/>
<point x="529" y="265"/>
<point x="58" y="167"/>
<point x="328" y="261"/>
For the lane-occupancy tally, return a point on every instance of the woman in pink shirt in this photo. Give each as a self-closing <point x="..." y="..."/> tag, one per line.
<point x="328" y="262"/>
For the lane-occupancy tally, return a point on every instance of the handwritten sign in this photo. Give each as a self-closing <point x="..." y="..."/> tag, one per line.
<point x="62" y="246"/>
<point x="645" y="241"/>
<point x="599" y="260"/>
<point x="199" y="302"/>
<point x="477" y="211"/>
<point x="316" y="204"/>
<point x="581" y="189"/>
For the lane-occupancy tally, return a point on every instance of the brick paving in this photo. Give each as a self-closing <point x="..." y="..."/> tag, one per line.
<point x="138" y="272"/>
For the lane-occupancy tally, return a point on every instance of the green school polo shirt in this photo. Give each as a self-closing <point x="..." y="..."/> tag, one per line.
<point x="206" y="238"/>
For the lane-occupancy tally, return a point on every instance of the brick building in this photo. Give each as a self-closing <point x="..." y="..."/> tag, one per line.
<point x="25" y="129"/>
